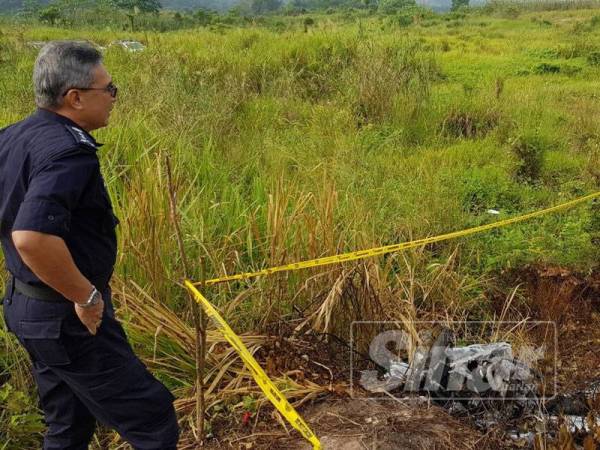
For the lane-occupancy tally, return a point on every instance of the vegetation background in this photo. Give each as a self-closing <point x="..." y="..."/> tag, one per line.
<point x="317" y="129"/>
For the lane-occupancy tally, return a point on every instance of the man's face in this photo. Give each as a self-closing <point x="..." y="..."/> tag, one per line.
<point x="97" y="102"/>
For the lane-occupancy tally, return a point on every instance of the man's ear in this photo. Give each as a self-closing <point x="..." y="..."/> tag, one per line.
<point x="73" y="99"/>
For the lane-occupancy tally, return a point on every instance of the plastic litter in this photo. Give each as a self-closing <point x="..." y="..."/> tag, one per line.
<point x="130" y="46"/>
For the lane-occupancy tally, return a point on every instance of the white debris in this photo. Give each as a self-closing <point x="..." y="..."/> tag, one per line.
<point x="399" y="370"/>
<point x="575" y="423"/>
<point x="460" y="356"/>
<point x="37" y="44"/>
<point x="527" y="438"/>
<point x="130" y="46"/>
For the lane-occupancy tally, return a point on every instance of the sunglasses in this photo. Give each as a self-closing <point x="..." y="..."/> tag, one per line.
<point x="111" y="89"/>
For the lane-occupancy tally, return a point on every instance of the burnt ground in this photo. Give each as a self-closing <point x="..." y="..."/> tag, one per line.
<point x="573" y="302"/>
<point x="343" y="422"/>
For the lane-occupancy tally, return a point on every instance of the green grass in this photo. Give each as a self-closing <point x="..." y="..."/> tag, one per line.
<point x="291" y="145"/>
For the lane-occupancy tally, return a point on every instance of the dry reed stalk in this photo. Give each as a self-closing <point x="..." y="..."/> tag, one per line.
<point x="354" y="296"/>
<point x="198" y="315"/>
<point x="225" y="377"/>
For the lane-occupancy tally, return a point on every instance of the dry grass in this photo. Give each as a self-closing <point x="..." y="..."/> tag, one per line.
<point x="292" y="146"/>
<point x="172" y="354"/>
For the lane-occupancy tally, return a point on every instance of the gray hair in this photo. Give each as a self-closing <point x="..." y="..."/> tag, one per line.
<point x="62" y="65"/>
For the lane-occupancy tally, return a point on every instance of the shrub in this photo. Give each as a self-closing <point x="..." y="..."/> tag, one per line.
<point x="459" y="4"/>
<point x="529" y="150"/>
<point x="548" y="68"/>
<point x="469" y="125"/>
<point x="308" y="22"/>
<point x="20" y="421"/>
<point x="594" y="58"/>
<point x="455" y="15"/>
<point x="510" y="12"/>
<point x="484" y="188"/>
<point x="393" y="6"/>
<point x="384" y="75"/>
<point x="569" y="69"/>
<point x="203" y="18"/>
<point x="544" y="68"/>
<point x="404" y="18"/>
<point x="547" y="53"/>
<point x="593" y="226"/>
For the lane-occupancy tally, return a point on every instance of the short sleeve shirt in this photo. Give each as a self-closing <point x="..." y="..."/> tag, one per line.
<point x="50" y="182"/>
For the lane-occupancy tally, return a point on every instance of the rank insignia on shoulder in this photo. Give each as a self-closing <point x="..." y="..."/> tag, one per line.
<point x="81" y="137"/>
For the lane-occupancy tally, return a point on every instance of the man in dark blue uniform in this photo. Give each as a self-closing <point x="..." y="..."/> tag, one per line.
<point x="57" y="230"/>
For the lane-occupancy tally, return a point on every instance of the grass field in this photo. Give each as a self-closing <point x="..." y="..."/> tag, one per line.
<point x="289" y="145"/>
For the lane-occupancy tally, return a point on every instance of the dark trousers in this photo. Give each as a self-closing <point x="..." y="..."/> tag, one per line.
<point x="82" y="378"/>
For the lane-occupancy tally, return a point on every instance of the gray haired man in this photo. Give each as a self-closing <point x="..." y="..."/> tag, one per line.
<point x="57" y="230"/>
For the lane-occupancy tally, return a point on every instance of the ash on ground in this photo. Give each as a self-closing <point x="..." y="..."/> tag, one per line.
<point x="484" y="382"/>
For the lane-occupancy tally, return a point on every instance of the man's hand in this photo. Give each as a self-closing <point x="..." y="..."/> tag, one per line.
<point x="91" y="317"/>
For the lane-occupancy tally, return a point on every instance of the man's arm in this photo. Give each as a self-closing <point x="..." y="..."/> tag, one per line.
<point x="50" y="260"/>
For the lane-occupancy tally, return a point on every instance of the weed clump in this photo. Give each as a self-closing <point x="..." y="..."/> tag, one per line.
<point x="529" y="151"/>
<point x="468" y="125"/>
<point x="593" y="227"/>
<point x="541" y="22"/>
<point x="489" y="188"/>
<point x="385" y="78"/>
<point x="545" y="68"/>
<point x="546" y="53"/>
<point x="507" y="11"/>
<point x="594" y="58"/>
<point x="22" y="423"/>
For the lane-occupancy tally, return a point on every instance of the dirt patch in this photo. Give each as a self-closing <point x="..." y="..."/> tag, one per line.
<point x="570" y="300"/>
<point x="358" y="424"/>
<point x="386" y="425"/>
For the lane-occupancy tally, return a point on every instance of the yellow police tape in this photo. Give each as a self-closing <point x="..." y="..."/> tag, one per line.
<point x="267" y="386"/>
<point x="263" y="381"/>
<point x="396" y="247"/>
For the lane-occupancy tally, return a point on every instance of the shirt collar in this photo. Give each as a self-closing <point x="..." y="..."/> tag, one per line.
<point x="46" y="114"/>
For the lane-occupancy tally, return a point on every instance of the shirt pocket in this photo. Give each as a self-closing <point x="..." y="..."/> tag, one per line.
<point x="41" y="338"/>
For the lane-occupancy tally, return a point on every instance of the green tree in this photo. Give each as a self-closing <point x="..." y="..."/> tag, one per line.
<point x="264" y="6"/>
<point x="457" y="4"/>
<point x="132" y="8"/>
<point x="51" y="14"/>
<point x="31" y="8"/>
<point x="393" y="6"/>
<point x="308" y="22"/>
<point x="203" y="17"/>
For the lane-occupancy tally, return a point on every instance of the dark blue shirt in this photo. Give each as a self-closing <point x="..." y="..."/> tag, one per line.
<point x="50" y="182"/>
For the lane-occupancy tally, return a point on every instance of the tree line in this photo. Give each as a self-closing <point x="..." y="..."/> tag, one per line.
<point x="132" y="13"/>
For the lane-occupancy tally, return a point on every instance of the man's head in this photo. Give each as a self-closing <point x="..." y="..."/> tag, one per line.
<point x="70" y="79"/>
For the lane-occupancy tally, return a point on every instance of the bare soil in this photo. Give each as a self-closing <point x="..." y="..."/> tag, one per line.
<point x="344" y="423"/>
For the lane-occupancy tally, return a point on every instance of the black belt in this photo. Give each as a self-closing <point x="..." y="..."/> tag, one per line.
<point x="44" y="293"/>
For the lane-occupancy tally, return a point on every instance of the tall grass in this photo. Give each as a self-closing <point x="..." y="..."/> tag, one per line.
<point x="542" y="5"/>
<point x="296" y="145"/>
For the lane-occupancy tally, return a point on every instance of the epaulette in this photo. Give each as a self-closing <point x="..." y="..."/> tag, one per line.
<point x="81" y="137"/>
